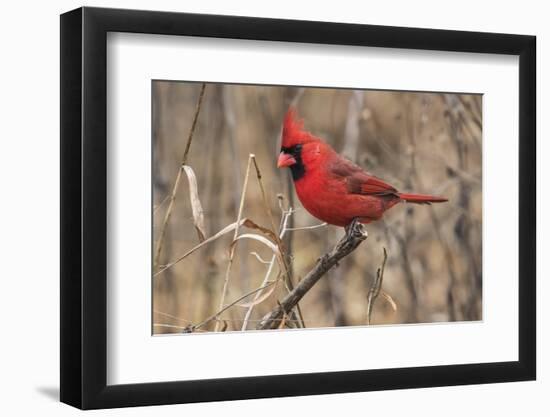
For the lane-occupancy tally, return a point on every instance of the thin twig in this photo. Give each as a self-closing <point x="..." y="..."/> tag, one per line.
<point x="456" y="125"/>
<point x="376" y="288"/>
<point x="238" y="300"/>
<point x="355" y="234"/>
<point x="287" y="270"/>
<point x="450" y="266"/>
<point x="259" y="258"/>
<point x="282" y="231"/>
<point x="230" y="122"/>
<point x="235" y="235"/>
<point x="171" y="316"/>
<point x="264" y="197"/>
<point x="284" y="221"/>
<point x="315" y="226"/>
<point x="474" y="117"/>
<point x="170" y="326"/>
<point x="178" y="178"/>
<point x="222" y="232"/>
<point x="159" y="205"/>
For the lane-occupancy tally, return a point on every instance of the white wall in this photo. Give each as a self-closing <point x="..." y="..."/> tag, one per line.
<point x="29" y="115"/>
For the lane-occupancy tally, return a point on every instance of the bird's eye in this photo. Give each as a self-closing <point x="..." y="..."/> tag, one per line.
<point x="294" y="150"/>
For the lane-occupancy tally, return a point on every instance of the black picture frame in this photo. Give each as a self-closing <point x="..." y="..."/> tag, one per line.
<point x="84" y="207"/>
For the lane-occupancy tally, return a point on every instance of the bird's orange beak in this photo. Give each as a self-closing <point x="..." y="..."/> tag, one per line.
<point x="285" y="160"/>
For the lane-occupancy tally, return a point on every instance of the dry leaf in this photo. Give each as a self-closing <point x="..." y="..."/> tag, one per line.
<point x="261" y="239"/>
<point x="198" y="213"/>
<point x="263" y="297"/>
<point x="224" y="326"/>
<point x="389" y="299"/>
<point x="251" y="225"/>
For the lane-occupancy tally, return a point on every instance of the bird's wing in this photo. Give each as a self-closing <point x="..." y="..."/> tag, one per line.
<point x="359" y="181"/>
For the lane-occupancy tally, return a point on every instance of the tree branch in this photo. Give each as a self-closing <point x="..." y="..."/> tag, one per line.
<point x="355" y="234"/>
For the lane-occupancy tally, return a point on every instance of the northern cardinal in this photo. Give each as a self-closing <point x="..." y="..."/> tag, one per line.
<point x="332" y="188"/>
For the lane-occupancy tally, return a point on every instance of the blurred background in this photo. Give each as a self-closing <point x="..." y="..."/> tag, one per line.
<point x="422" y="142"/>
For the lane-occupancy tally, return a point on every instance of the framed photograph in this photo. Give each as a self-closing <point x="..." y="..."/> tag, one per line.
<point x="256" y="208"/>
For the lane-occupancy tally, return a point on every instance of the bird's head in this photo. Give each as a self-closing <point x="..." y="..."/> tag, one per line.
<point x="294" y="138"/>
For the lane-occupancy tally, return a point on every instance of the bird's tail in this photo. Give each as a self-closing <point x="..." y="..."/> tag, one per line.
<point x="421" y="198"/>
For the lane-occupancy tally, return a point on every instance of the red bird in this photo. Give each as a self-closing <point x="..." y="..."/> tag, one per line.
<point x="332" y="188"/>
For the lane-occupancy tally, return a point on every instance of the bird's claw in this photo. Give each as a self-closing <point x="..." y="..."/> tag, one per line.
<point x="355" y="230"/>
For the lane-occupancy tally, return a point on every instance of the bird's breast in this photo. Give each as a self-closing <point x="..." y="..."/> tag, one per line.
<point x="322" y="198"/>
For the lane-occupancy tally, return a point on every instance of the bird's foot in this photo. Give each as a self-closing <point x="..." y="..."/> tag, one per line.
<point x="355" y="230"/>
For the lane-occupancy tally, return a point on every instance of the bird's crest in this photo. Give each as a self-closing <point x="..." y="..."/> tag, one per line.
<point x="293" y="130"/>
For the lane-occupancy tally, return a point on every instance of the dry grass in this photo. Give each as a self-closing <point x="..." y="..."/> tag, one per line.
<point x="421" y="142"/>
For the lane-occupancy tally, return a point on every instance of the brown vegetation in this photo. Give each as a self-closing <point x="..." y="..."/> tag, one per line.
<point x="232" y="241"/>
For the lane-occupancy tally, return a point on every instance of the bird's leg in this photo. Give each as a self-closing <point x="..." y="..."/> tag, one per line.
<point x="349" y="228"/>
<point x="355" y="230"/>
